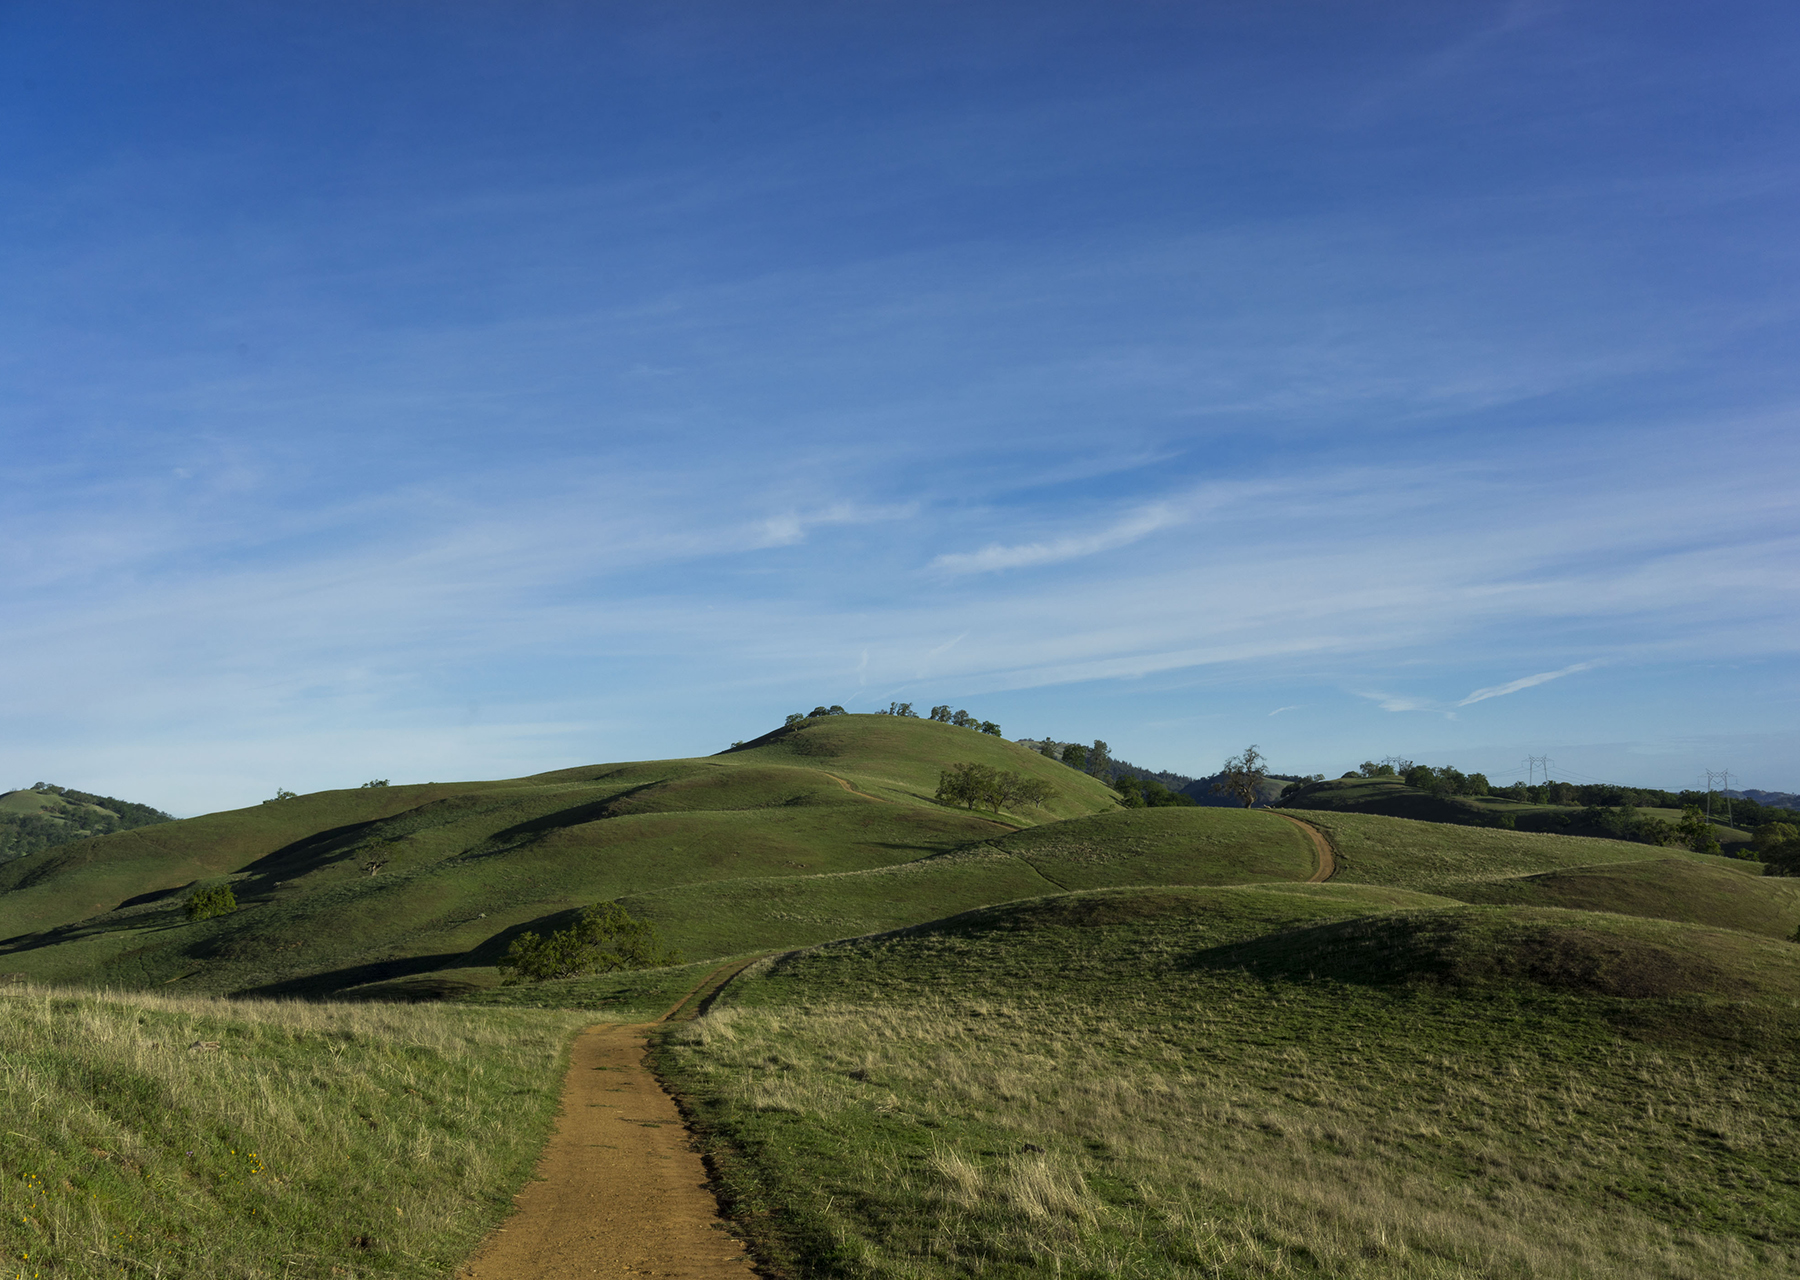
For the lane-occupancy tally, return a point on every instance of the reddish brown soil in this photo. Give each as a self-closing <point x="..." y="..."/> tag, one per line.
<point x="620" y="1190"/>
<point x="1321" y="846"/>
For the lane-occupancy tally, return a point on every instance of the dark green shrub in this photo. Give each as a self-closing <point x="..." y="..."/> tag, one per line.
<point x="603" y="939"/>
<point x="204" y="904"/>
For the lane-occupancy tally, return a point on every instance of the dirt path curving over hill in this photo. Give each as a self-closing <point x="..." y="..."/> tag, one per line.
<point x="619" y="1190"/>
<point x="1321" y="847"/>
<point x="845" y="784"/>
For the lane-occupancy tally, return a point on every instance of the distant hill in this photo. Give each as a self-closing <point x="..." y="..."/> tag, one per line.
<point x="1768" y="799"/>
<point x="44" y="816"/>
<point x="1199" y="790"/>
<point x="1390" y="797"/>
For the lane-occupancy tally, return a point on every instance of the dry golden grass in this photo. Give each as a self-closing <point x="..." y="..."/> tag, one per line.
<point x="927" y="1135"/>
<point x="152" y="1135"/>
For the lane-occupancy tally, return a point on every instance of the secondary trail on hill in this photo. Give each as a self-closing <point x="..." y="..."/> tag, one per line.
<point x="1321" y="846"/>
<point x="845" y="784"/>
<point x="619" y="1190"/>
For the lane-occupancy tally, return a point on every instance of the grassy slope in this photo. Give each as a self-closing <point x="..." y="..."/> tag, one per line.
<point x="467" y="866"/>
<point x="1432" y="856"/>
<point x="1664" y="888"/>
<point x="1175" y="1082"/>
<point x="1161" y="846"/>
<point x="313" y="1140"/>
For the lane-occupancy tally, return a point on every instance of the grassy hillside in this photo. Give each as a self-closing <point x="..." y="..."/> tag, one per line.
<point x="143" y="1135"/>
<point x="1433" y="856"/>
<point x="1158" y="846"/>
<point x="1699" y="891"/>
<point x="346" y="888"/>
<point x="1284" y="1083"/>
<point x="1076" y="1038"/>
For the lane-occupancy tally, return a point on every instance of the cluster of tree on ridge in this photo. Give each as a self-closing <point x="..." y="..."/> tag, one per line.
<point x="1148" y="793"/>
<point x="995" y="789"/>
<point x="943" y="714"/>
<point x="1741" y="810"/>
<point x="1601" y="807"/>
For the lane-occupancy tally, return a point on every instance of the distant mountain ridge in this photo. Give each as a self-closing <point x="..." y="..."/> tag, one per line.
<point x="1768" y="799"/>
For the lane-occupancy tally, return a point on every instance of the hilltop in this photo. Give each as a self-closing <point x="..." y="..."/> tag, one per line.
<point x="341" y="889"/>
<point x="44" y="816"/>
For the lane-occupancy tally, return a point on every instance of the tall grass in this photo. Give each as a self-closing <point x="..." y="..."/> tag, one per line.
<point x="932" y="1107"/>
<point x="157" y="1136"/>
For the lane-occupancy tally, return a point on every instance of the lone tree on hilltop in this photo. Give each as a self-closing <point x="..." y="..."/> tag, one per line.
<point x="1243" y="776"/>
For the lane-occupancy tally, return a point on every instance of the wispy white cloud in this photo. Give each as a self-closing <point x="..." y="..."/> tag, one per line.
<point x="1392" y="702"/>
<point x="996" y="556"/>
<point x="1525" y="682"/>
<point x="1279" y="710"/>
<point x="790" y="527"/>
<point x="1133" y="526"/>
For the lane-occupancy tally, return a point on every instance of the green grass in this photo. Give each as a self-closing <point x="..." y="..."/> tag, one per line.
<point x="1125" y="847"/>
<point x="143" y="1135"/>
<point x="1092" y="1085"/>
<point x="37" y="802"/>
<point x="462" y="868"/>
<point x="1435" y="857"/>
<point x="1729" y="896"/>
<point x="1072" y="1040"/>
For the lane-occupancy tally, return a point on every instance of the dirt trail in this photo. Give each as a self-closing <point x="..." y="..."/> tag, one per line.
<point x="845" y="784"/>
<point x="1321" y="846"/>
<point x="619" y="1191"/>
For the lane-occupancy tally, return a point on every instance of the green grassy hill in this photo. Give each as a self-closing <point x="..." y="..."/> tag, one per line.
<point x="1078" y="1037"/>
<point x="346" y="888"/>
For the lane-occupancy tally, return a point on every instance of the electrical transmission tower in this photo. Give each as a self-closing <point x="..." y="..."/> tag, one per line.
<point x="1533" y="764"/>
<point x="1723" y="778"/>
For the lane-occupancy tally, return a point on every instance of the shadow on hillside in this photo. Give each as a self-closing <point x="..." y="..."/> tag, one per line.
<point x="335" y="984"/>
<point x="332" y="982"/>
<point x="575" y="816"/>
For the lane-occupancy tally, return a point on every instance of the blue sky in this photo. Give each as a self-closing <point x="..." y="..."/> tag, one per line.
<point x="443" y="390"/>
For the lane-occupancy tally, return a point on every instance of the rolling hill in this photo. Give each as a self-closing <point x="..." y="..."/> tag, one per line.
<point x="346" y="888"/>
<point x="1079" y="1037"/>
